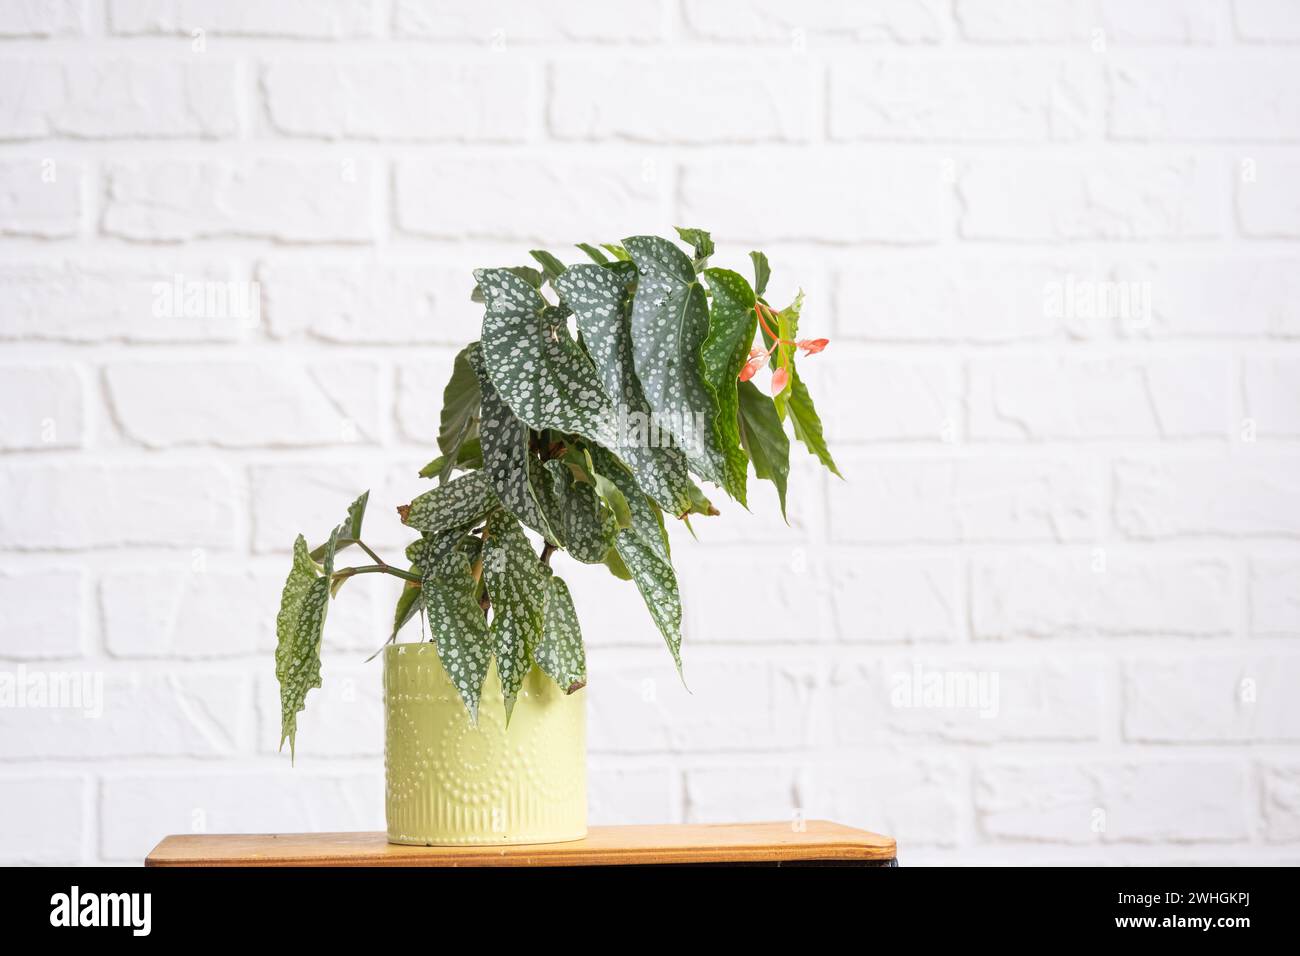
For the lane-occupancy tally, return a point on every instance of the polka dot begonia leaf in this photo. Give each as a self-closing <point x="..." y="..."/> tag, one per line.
<point x="515" y="581"/>
<point x="644" y="550"/>
<point x="298" y="629"/>
<point x="506" y="455"/>
<point x="459" y="502"/>
<point x="601" y="300"/>
<point x="670" y="321"/>
<point x="560" y="653"/>
<point x="537" y="368"/>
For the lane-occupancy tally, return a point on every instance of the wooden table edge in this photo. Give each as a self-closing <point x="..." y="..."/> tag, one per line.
<point x="857" y="846"/>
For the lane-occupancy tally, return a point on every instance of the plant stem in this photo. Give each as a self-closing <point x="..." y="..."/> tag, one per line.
<point x="345" y="573"/>
<point x="548" y="549"/>
<point x="374" y="557"/>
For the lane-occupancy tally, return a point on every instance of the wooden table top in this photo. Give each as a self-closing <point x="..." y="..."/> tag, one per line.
<point x="818" y="840"/>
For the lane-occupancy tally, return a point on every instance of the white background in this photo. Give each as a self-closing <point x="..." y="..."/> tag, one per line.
<point x="1101" y="511"/>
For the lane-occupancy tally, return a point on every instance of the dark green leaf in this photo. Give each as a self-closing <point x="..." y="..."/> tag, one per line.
<point x="515" y="582"/>
<point x="459" y="503"/>
<point x="469" y="456"/>
<point x="537" y="368"/>
<point x="807" y="423"/>
<point x="551" y="266"/>
<point x="701" y="242"/>
<point x="588" y="526"/>
<point x="762" y="272"/>
<point x="349" y="530"/>
<point x="731" y="334"/>
<point x="507" y="460"/>
<point x="601" y="302"/>
<point x="460" y="404"/>
<point x="595" y="254"/>
<point x="560" y="653"/>
<point x="670" y="321"/>
<point x="457" y="624"/>
<point x="764" y="438"/>
<point x="643" y="549"/>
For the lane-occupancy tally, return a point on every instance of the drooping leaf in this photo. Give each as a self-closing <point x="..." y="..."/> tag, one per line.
<point x="537" y="368"/>
<point x="701" y="242"/>
<point x="560" y="653"/>
<point x="408" y="604"/>
<point x="588" y="525"/>
<point x="593" y="253"/>
<point x="298" y="628"/>
<point x="670" y="321"/>
<point x="762" y="272"/>
<point x="506" y="458"/>
<point x="617" y="566"/>
<point x="459" y="419"/>
<point x="457" y="623"/>
<point x="458" y="503"/>
<point x="731" y="334"/>
<point x="515" y="581"/>
<point x="601" y="303"/>
<point x="643" y="549"/>
<point x="764" y="438"/>
<point x="807" y="423"/>
<point x="349" y="530"/>
<point x="468" y="457"/>
<point x="551" y="266"/>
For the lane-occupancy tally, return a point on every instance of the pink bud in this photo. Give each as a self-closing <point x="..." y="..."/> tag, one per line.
<point x="779" y="379"/>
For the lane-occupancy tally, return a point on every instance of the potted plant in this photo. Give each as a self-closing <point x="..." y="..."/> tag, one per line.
<point x="595" y="393"/>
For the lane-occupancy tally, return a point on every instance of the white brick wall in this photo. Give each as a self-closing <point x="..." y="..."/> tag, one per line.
<point x="1098" y="508"/>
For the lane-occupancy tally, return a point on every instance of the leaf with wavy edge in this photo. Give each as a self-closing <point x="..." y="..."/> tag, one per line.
<point x="298" y="628"/>
<point x="643" y="548"/>
<point x="764" y="438"/>
<point x="515" y="583"/>
<point x="560" y="653"/>
<point x="349" y="530"/>
<point x="601" y="301"/>
<point x="670" y="321"/>
<point x="458" y="503"/>
<point x="732" y="324"/>
<point x="807" y="423"/>
<point x="537" y="368"/>
<point x="507" y="460"/>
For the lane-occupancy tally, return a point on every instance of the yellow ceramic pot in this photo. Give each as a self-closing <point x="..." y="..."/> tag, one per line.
<point x="451" y="783"/>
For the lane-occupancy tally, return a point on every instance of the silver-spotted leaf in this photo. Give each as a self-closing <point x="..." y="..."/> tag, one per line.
<point x="537" y="368"/>
<point x="515" y="581"/>
<point x="732" y="324"/>
<point x="643" y="550"/>
<point x="601" y="301"/>
<point x="458" y="503"/>
<point x="507" y="460"/>
<point x="670" y="321"/>
<point x="457" y="624"/>
<point x="588" y="525"/>
<point x="298" y="628"/>
<point x="560" y="653"/>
